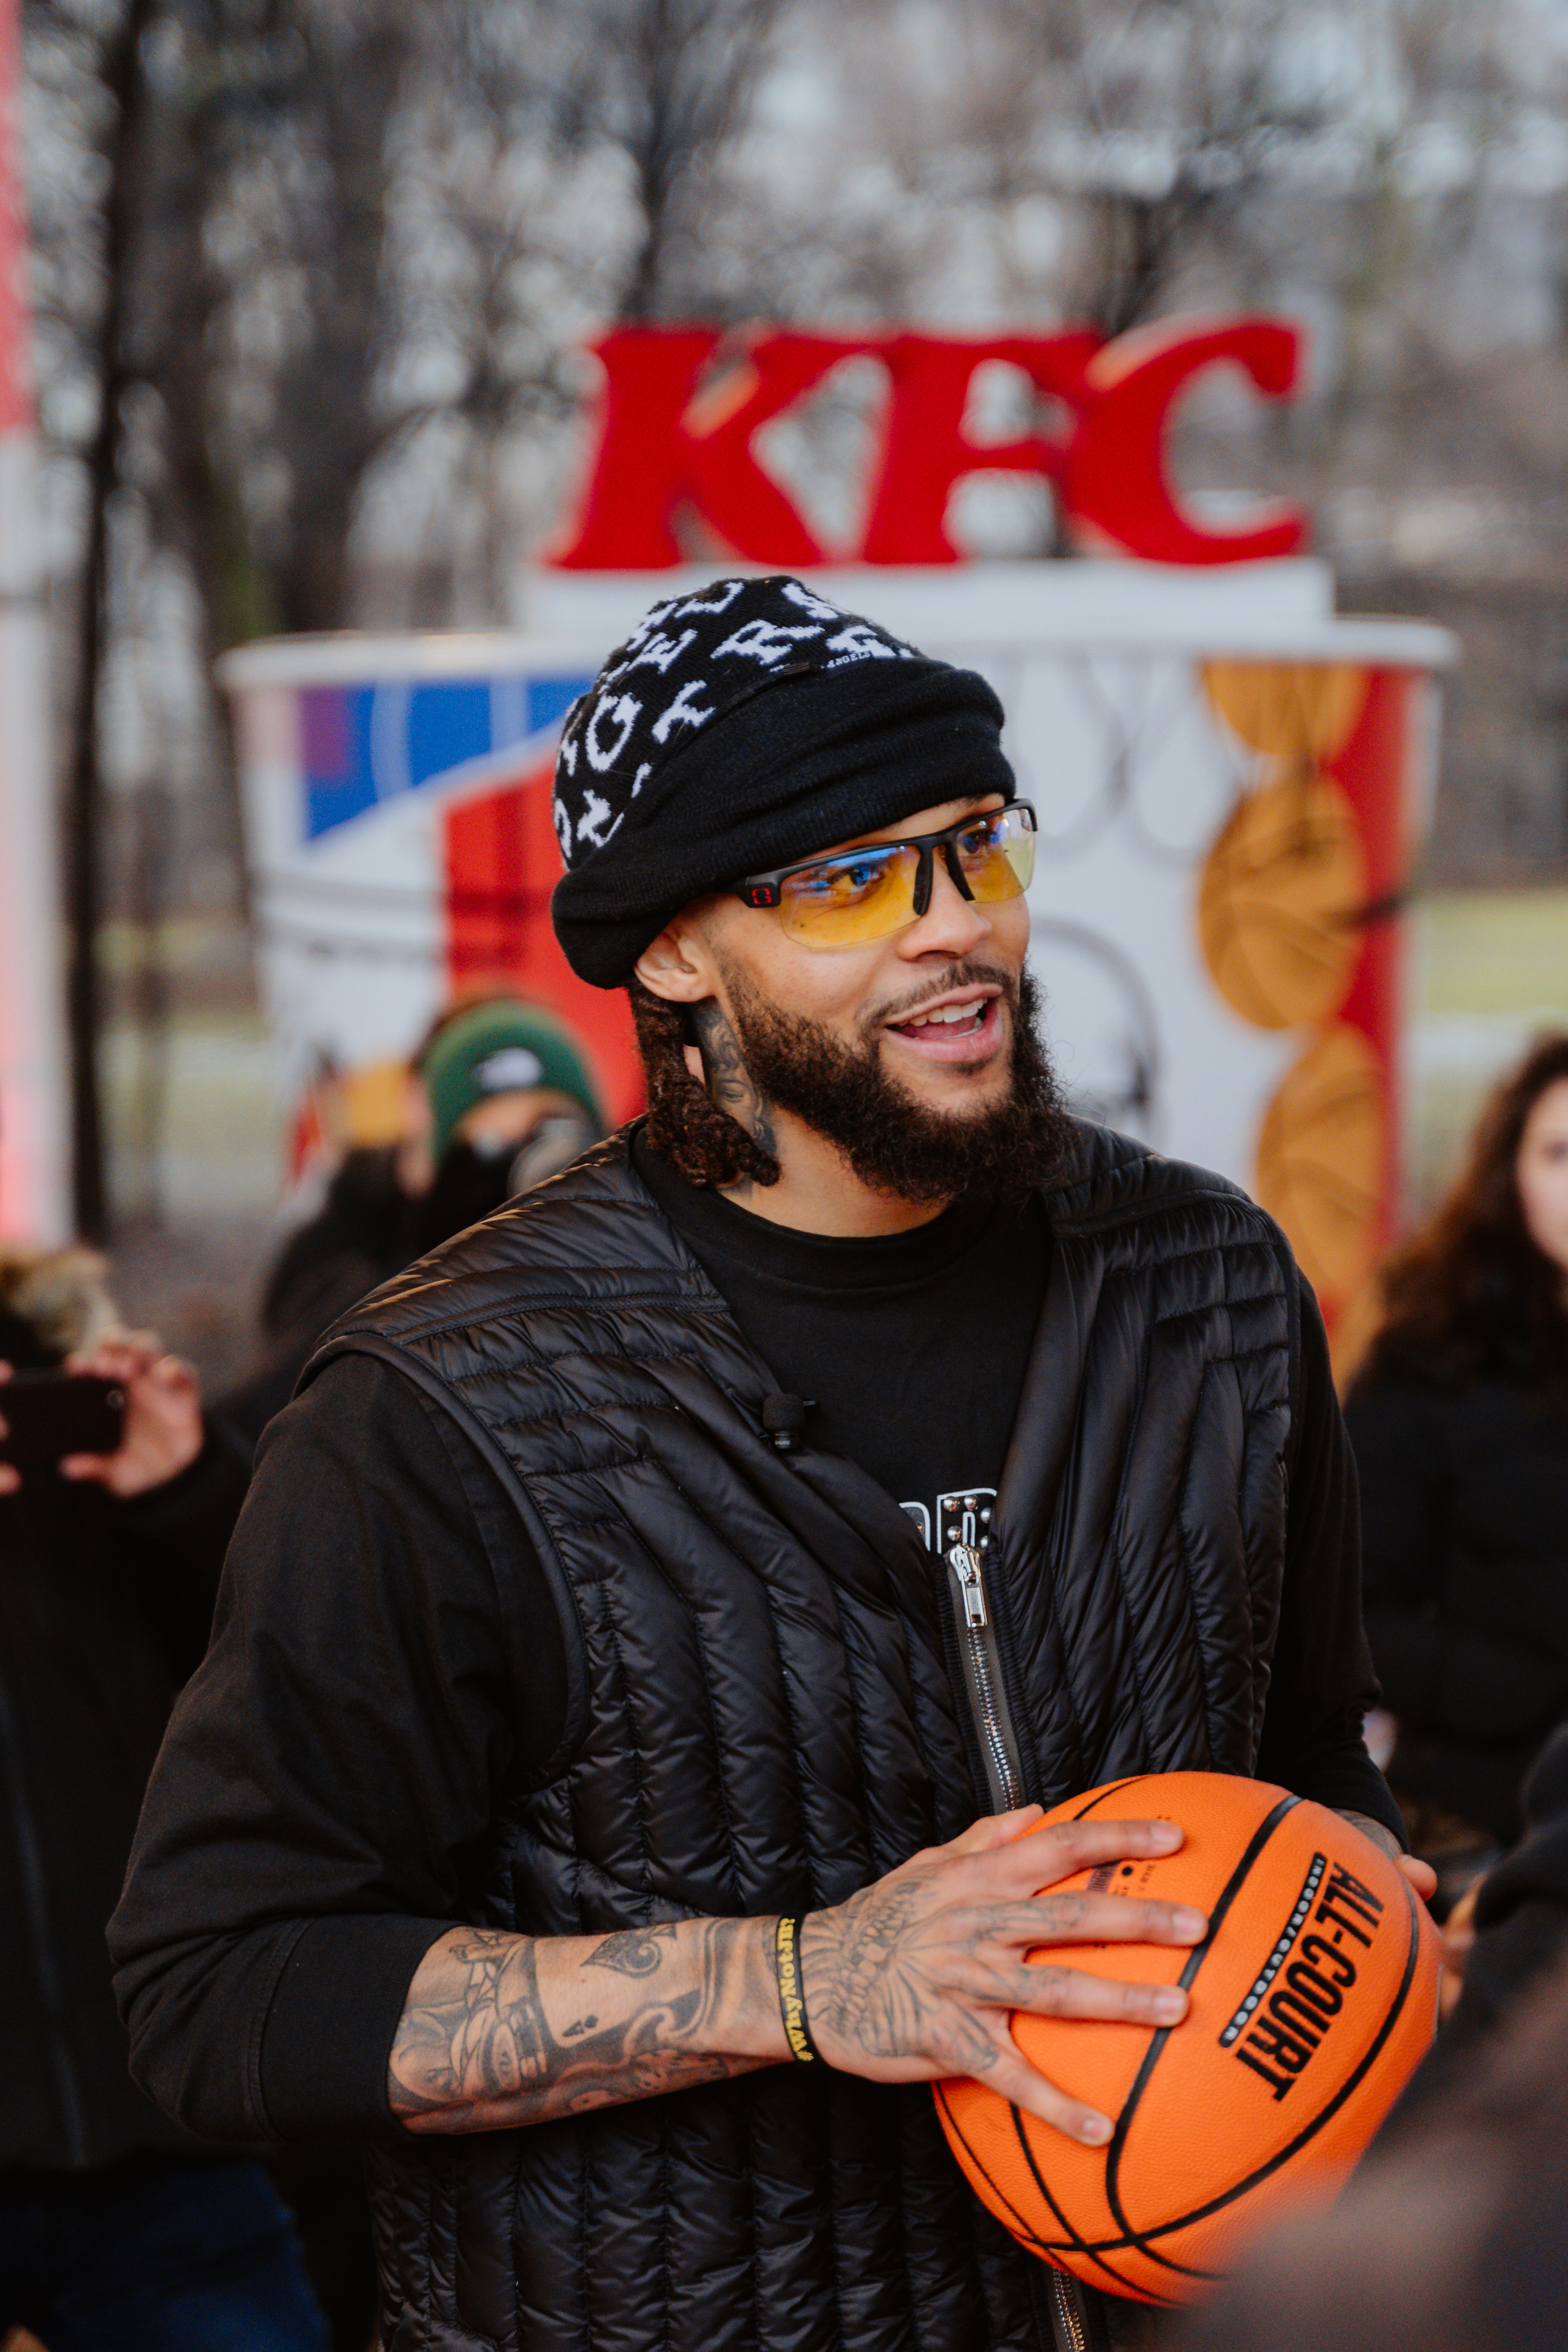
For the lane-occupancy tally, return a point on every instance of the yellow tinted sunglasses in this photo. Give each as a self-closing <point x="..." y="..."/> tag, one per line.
<point x="885" y="886"/>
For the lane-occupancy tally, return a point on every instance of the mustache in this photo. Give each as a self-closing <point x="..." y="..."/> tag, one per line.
<point x="971" y="972"/>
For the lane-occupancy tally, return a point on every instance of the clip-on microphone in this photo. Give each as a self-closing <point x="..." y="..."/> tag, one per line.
<point x="783" y="1420"/>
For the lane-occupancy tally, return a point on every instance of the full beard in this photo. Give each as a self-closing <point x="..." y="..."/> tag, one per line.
<point x="893" y="1142"/>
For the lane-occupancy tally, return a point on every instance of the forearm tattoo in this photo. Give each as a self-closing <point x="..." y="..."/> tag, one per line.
<point x="632" y="1951"/>
<point x="483" y="2044"/>
<point x="729" y="1083"/>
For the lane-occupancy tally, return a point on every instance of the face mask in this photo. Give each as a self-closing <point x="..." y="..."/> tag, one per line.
<point x="555" y="1143"/>
<point x="475" y="1179"/>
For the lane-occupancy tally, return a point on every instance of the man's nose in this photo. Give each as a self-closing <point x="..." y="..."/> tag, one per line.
<point x="951" y="925"/>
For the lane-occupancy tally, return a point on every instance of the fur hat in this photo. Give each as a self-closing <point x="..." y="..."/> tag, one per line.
<point x="52" y="1302"/>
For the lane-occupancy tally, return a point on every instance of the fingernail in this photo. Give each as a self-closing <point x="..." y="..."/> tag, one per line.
<point x="1095" y="2130"/>
<point x="1170" y="2004"/>
<point x="1189" y="1923"/>
<point x="1166" y="1833"/>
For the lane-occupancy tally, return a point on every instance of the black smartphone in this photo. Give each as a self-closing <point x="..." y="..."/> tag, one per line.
<point x="50" y="1414"/>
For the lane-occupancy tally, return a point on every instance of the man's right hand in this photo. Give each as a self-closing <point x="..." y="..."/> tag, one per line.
<point x="912" y="1980"/>
<point x="915" y="1978"/>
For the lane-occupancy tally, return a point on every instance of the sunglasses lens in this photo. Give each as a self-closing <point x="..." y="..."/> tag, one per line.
<point x="864" y="894"/>
<point x="997" y="856"/>
<point x="860" y="895"/>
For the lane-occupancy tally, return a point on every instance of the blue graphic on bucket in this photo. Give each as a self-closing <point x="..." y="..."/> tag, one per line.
<point x="361" y="745"/>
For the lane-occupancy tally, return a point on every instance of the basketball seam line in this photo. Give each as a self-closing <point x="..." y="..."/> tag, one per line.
<point x="1151" y="2056"/>
<point x="1024" y="2230"/>
<point x="1075" y="2238"/>
<point x="1113" y="1788"/>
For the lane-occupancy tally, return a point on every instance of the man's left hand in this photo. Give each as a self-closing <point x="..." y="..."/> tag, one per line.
<point x="1421" y="1875"/>
<point x="163" y="1432"/>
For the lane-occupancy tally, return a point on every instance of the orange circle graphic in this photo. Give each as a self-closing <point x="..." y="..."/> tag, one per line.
<point x="1321" y="1160"/>
<point x="1287" y="710"/>
<point x="1278" y="902"/>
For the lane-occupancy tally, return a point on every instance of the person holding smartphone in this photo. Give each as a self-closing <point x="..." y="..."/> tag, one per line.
<point x="119" y="2232"/>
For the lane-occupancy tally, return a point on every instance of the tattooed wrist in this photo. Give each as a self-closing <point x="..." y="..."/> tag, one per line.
<point x="502" y="2029"/>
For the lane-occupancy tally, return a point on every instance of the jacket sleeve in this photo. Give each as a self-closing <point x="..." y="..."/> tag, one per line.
<point x="1437" y="1678"/>
<point x="377" y="1677"/>
<point x="175" y="1537"/>
<point x="1322" y="1683"/>
<point x="1521" y="1909"/>
<point x="1521" y="1933"/>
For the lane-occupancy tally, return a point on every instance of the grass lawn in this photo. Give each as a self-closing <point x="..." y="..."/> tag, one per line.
<point x="1488" y="973"/>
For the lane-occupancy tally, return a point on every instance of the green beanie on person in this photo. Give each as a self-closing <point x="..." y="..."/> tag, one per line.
<point x="502" y="1046"/>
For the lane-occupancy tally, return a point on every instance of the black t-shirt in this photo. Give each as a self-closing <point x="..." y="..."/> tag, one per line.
<point x="912" y="1346"/>
<point x="387" y="1664"/>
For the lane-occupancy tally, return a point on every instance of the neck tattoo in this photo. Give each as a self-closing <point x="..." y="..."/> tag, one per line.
<point x="729" y="1083"/>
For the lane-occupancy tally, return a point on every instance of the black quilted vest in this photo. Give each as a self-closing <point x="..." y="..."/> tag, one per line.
<point x="761" y="1719"/>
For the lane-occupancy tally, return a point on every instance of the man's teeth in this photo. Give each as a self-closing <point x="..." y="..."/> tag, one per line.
<point x="945" y="1014"/>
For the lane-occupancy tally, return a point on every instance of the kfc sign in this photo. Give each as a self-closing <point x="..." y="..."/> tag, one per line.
<point x="663" y="449"/>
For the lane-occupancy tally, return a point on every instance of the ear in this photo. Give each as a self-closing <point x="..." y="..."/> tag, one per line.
<point x="678" y="965"/>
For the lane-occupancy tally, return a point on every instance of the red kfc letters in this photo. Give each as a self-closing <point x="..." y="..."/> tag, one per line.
<point x="1115" y="484"/>
<point x="679" y="417"/>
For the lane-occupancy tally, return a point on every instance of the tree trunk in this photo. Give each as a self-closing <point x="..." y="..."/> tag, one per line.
<point x="123" y="79"/>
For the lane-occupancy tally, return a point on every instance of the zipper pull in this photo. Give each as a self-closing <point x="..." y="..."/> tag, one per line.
<point x="965" y="1563"/>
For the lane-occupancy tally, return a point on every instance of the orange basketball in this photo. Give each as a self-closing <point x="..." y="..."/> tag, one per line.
<point x="1313" y="1995"/>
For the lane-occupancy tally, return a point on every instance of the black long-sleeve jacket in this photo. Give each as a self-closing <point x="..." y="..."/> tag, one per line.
<point x="104" y="1611"/>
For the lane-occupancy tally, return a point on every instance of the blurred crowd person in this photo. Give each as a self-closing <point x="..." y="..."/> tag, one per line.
<point x="1509" y="1929"/>
<point x="499" y="1097"/>
<point x="119" y="2232"/>
<point x="1459" y="1423"/>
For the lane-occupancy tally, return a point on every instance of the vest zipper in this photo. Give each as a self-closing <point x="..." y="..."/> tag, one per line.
<point x="983" y="1676"/>
<point x="999" y="1751"/>
<point x="1069" y="2324"/>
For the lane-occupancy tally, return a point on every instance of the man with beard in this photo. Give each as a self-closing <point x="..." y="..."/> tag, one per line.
<point x="611" y="1792"/>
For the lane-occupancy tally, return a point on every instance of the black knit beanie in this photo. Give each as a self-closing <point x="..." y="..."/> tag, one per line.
<point x="736" y="729"/>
